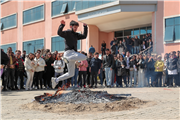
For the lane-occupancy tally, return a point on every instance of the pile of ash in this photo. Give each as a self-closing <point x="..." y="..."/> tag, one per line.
<point x="80" y="96"/>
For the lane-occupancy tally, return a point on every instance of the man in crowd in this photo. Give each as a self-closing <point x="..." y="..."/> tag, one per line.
<point x="129" y="44"/>
<point x="127" y="60"/>
<point x="23" y="55"/>
<point x="88" y="71"/>
<point x="4" y="62"/>
<point x="115" y="40"/>
<point x="136" y="45"/>
<point x="108" y="66"/>
<point x="113" y="48"/>
<point x="95" y="66"/>
<point x="92" y="50"/>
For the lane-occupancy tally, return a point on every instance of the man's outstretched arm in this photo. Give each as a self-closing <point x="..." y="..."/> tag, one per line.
<point x="60" y="32"/>
<point x="84" y="35"/>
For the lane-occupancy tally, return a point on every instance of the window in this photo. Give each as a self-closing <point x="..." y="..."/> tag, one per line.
<point x="5" y="47"/>
<point x="128" y="32"/>
<point x="64" y="7"/>
<point x="143" y="30"/>
<point x="136" y="31"/>
<point x="1" y="25"/>
<point x="9" y="22"/>
<point x="149" y="29"/>
<point x="172" y="29"/>
<point x="3" y="1"/>
<point x="33" y="46"/>
<point x="33" y="15"/>
<point x="57" y="43"/>
<point x="118" y="33"/>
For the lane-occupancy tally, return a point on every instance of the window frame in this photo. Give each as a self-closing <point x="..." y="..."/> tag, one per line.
<point x="33" y="40"/>
<point x="35" y="20"/>
<point x="12" y="26"/>
<point x="164" y="26"/>
<point x="5" y="1"/>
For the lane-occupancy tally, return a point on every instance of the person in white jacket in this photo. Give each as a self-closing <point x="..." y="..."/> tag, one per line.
<point x="59" y="65"/>
<point x="39" y="70"/>
<point x="30" y="68"/>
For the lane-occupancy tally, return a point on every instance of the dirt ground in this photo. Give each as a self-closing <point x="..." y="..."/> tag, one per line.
<point x="125" y="104"/>
<point x="150" y="103"/>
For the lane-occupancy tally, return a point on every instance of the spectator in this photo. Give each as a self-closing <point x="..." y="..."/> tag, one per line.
<point x="101" y="75"/>
<point x="133" y="71"/>
<point x="108" y="60"/>
<point x="120" y="71"/>
<point x="172" y="69"/>
<point x="113" y="72"/>
<point x="39" y="70"/>
<point x="124" y="43"/>
<point x="127" y="60"/>
<point x="82" y="72"/>
<point x="121" y="47"/>
<point x="4" y="62"/>
<point x="49" y="70"/>
<point x="74" y="78"/>
<point x="143" y="46"/>
<point x="136" y="45"/>
<point x="24" y="55"/>
<point x="150" y="45"/>
<point x="95" y="66"/>
<point x="19" y="70"/>
<point x="132" y="46"/>
<point x="159" y="65"/>
<point x="141" y="64"/>
<point x="165" y="73"/>
<point x="92" y="50"/>
<point x="58" y="65"/>
<point x="150" y="69"/>
<point x="147" y="37"/>
<point x="10" y="73"/>
<point x="124" y="54"/>
<point x="129" y="44"/>
<point x="113" y="48"/>
<point x="103" y="47"/>
<point x="178" y="65"/>
<point x="88" y="72"/>
<point x="115" y="40"/>
<point x="30" y="68"/>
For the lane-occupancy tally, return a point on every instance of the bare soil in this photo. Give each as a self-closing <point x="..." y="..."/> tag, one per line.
<point x="130" y="103"/>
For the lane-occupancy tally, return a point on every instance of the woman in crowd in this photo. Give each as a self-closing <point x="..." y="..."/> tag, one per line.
<point x="39" y="70"/>
<point x="124" y="43"/>
<point x="59" y="67"/>
<point x="159" y="65"/>
<point x="103" y="47"/>
<point x="120" y="71"/>
<point x="141" y="76"/>
<point x="30" y="69"/>
<point x="165" y="73"/>
<point x="49" y="70"/>
<point x="121" y="47"/>
<point x="178" y="65"/>
<point x="82" y="72"/>
<point x="133" y="71"/>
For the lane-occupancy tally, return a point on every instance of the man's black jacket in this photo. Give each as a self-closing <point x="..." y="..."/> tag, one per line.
<point x="108" y="61"/>
<point x="4" y="58"/>
<point x="71" y="37"/>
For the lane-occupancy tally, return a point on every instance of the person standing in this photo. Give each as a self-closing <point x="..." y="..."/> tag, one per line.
<point x="141" y="64"/>
<point x="10" y="69"/>
<point x="133" y="71"/>
<point x="82" y="72"/>
<point x="125" y="46"/>
<point x="30" y="68"/>
<point x="88" y="72"/>
<point x="74" y="78"/>
<point x="127" y="60"/>
<point x="23" y="55"/>
<point x="19" y="71"/>
<point x="58" y="65"/>
<point x="129" y="44"/>
<point x="4" y="62"/>
<point x="121" y="47"/>
<point x="108" y="62"/>
<point x="39" y="70"/>
<point x="103" y="47"/>
<point x="113" y="48"/>
<point x="95" y="66"/>
<point x="49" y="70"/>
<point x="136" y="45"/>
<point x="159" y="65"/>
<point x="165" y="74"/>
<point x="178" y="65"/>
<point x="92" y="50"/>
<point x="172" y="69"/>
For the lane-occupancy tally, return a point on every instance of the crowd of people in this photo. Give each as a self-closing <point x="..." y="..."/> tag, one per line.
<point x="120" y="66"/>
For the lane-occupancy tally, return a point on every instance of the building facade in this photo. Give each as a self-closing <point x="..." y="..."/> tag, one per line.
<point x="32" y="25"/>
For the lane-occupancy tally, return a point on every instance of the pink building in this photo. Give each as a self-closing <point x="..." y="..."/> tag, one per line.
<point x="32" y="25"/>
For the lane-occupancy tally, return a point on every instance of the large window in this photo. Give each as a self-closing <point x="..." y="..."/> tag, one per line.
<point x="33" y="15"/>
<point x="3" y="1"/>
<point x="172" y="29"/>
<point x="5" y="47"/>
<point x="57" y="43"/>
<point x="9" y="22"/>
<point x="33" y="46"/>
<point x="140" y="32"/>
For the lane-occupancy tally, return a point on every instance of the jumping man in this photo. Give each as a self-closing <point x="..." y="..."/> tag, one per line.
<point x="70" y="55"/>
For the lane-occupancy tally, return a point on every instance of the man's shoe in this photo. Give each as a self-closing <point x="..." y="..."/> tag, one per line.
<point x="54" y="83"/>
<point x="65" y="60"/>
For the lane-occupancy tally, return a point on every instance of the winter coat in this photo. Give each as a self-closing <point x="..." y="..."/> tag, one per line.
<point x="57" y="64"/>
<point x="121" y="48"/>
<point x="172" y="63"/>
<point x="141" y="63"/>
<point x="118" y="67"/>
<point x="150" y="65"/>
<point x="178" y="65"/>
<point x="28" y="65"/>
<point x="41" y="63"/>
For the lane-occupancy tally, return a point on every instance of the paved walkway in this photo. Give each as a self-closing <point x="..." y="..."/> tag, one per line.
<point x="167" y="106"/>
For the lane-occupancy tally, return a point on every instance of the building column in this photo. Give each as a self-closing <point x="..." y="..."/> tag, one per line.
<point x="93" y="37"/>
<point x="48" y="25"/>
<point x="20" y="26"/>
